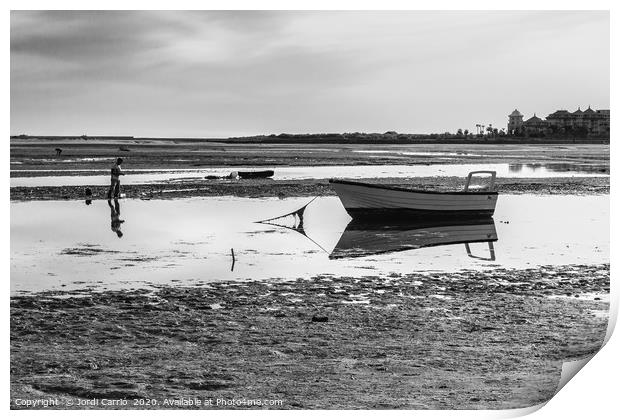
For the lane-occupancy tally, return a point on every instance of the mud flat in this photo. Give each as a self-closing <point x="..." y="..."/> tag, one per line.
<point x="494" y="339"/>
<point x="299" y="188"/>
<point x="35" y="159"/>
<point x="172" y="154"/>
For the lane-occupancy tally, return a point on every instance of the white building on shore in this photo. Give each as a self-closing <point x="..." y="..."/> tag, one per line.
<point x="588" y="122"/>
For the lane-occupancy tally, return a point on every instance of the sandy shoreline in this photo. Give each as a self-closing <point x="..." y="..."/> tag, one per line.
<point x="464" y="340"/>
<point x="84" y="158"/>
<point x="301" y="188"/>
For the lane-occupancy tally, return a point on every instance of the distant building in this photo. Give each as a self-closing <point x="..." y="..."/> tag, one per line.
<point x="562" y="118"/>
<point x="588" y="123"/>
<point x="535" y="125"/>
<point x="515" y="121"/>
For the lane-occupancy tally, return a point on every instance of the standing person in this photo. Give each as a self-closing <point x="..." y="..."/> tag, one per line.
<point x="115" y="180"/>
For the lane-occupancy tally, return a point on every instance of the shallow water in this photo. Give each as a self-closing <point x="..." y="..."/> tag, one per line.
<point x="317" y="172"/>
<point x="69" y="245"/>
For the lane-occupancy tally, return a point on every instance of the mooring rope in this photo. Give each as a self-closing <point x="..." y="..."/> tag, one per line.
<point x="299" y="212"/>
<point x="299" y="228"/>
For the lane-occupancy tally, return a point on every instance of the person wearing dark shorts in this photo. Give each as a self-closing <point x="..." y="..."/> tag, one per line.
<point x="115" y="180"/>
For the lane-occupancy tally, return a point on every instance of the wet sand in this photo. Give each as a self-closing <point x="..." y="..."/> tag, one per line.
<point x="300" y="188"/>
<point x="174" y="154"/>
<point x="36" y="158"/>
<point x="466" y="340"/>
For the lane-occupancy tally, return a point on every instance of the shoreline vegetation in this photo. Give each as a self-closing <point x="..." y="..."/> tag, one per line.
<point x="390" y="137"/>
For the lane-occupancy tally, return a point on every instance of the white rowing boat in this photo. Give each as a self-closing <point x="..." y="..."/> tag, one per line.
<point x="379" y="201"/>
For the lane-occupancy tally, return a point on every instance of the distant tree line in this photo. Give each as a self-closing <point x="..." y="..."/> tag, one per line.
<point x="484" y="134"/>
<point x="560" y="132"/>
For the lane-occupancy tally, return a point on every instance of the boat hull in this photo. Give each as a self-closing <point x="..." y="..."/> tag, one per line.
<point x="363" y="200"/>
<point x="255" y="174"/>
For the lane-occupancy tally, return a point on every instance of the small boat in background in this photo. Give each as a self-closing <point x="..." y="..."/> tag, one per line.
<point x="363" y="200"/>
<point x="244" y="175"/>
<point x="255" y="174"/>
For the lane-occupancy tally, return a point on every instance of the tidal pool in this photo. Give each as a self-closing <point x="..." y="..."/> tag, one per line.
<point x="64" y="245"/>
<point x="145" y="176"/>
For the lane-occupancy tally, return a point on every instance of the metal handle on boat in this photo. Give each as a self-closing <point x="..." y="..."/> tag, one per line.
<point x="491" y="252"/>
<point x="491" y="184"/>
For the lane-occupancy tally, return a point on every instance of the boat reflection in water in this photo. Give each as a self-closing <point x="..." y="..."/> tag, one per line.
<point x="364" y="238"/>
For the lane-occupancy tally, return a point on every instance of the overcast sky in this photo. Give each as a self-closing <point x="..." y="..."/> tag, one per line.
<point x="211" y="74"/>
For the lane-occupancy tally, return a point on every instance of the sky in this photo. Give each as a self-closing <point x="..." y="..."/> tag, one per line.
<point x="236" y="73"/>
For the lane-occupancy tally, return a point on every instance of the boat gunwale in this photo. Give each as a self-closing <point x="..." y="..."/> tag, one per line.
<point x="411" y="190"/>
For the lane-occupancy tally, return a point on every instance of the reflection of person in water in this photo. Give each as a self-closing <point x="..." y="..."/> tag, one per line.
<point x="115" y="218"/>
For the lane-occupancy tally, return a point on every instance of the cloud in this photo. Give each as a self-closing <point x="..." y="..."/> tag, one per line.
<point x="198" y="73"/>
